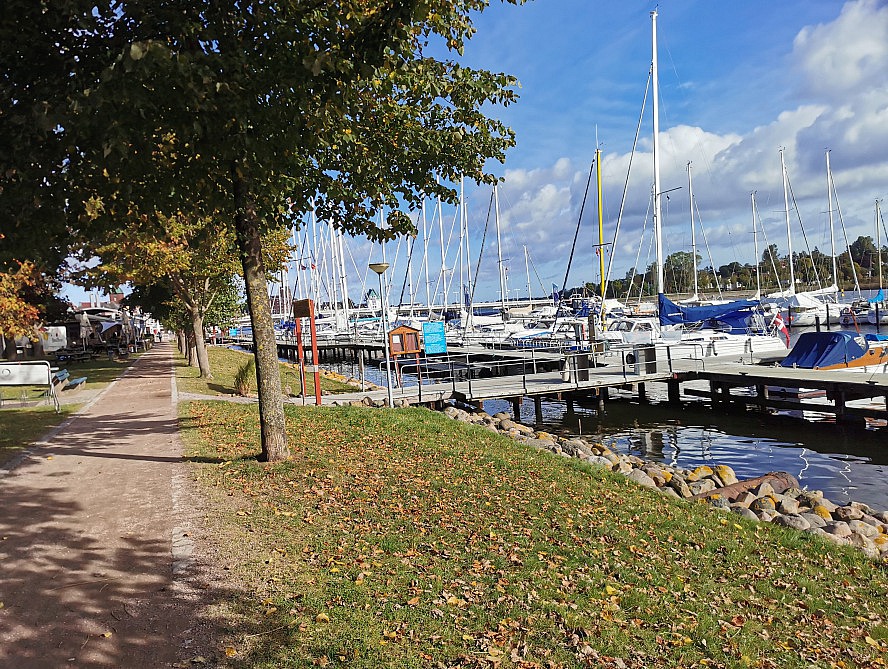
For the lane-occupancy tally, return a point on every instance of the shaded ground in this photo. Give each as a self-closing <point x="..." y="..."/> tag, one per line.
<point x="96" y="538"/>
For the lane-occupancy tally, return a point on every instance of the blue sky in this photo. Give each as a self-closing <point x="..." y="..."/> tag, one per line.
<point x="738" y="81"/>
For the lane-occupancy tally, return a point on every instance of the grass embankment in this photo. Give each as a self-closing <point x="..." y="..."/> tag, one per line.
<point x="224" y="363"/>
<point x="21" y="426"/>
<point x="404" y="539"/>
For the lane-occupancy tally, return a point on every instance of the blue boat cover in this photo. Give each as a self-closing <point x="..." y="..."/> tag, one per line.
<point x="823" y="349"/>
<point x="672" y="314"/>
<point x="875" y="337"/>
<point x="879" y="297"/>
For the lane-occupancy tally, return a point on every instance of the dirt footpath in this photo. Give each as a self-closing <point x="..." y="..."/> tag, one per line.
<point x="96" y="538"/>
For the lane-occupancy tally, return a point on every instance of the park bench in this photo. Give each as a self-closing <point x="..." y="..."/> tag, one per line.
<point x="63" y="380"/>
<point x="30" y="373"/>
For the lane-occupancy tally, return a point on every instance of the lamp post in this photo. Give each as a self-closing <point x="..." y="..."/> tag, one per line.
<point x="380" y="268"/>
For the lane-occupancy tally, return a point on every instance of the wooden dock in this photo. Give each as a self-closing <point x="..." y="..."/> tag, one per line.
<point x="849" y="395"/>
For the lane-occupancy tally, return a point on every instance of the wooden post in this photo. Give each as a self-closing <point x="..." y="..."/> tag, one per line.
<point x="538" y="409"/>
<point x="301" y="358"/>
<point x="674" y="392"/>
<point x="516" y="408"/>
<point x="642" y="393"/>
<point x="761" y="396"/>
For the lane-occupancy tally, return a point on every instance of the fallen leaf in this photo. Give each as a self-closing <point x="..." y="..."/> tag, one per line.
<point x="106" y="634"/>
<point x="322" y="618"/>
<point x="230" y="651"/>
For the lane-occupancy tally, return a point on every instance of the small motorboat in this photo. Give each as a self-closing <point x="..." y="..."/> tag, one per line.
<point x="839" y="350"/>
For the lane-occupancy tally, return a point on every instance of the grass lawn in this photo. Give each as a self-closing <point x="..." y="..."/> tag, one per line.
<point x="224" y="363"/>
<point x="403" y="539"/>
<point x="21" y="426"/>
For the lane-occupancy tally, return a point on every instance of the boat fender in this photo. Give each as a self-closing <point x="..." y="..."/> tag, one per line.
<point x="630" y="358"/>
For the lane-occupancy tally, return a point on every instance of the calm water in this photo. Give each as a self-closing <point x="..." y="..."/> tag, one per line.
<point x="845" y="463"/>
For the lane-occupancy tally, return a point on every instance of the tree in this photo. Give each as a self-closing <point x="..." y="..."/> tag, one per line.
<point x="195" y="258"/>
<point x="247" y="112"/>
<point x="244" y="113"/>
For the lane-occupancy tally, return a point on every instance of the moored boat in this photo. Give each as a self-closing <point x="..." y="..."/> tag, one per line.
<point x="839" y="350"/>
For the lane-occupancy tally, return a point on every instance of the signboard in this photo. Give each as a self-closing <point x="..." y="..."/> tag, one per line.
<point x="302" y="309"/>
<point x="433" y="338"/>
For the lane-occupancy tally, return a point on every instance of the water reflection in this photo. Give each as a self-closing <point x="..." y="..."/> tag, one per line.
<point x="845" y="463"/>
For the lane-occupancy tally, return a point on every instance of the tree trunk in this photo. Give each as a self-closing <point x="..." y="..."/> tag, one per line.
<point x="272" y="423"/>
<point x="180" y="341"/>
<point x="200" y="345"/>
<point x="10" y="351"/>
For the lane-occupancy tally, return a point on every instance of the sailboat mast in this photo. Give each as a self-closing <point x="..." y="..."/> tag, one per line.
<point x="879" y="243"/>
<point x="829" y="209"/>
<point x="600" y="229"/>
<point x="527" y="270"/>
<point x="788" y="228"/>
<point x="462" y="240"/>
<point x="694" y="231"/>
<point x="755" y="243"/>
<point x="499" y="252"/>
<point x="658" y="231"/>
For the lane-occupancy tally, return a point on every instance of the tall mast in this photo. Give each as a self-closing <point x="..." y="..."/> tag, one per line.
<point x="443" y="259"/>
<point x="343" y="276"/>
<point x="527" y="269"/>
<point x="658" y="231"/>
<point x="600" y="228"/>
<point x="499" y="252"/>
<point x="788" y="229"/>
<point x="879" y="243"/>
<point x="694" y="230"/>
<point x="462" y="239"/>
<point x="425" y="258"/>
<point x="755" y="243"/>
<point x="829" y="209"/>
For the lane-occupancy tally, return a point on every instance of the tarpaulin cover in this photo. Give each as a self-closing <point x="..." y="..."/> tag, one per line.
<point x="672" y="314"/>
<point x="823" y="349"/>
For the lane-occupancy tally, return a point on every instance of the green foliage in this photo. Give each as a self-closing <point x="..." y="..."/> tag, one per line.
<point x="243" y="379"/>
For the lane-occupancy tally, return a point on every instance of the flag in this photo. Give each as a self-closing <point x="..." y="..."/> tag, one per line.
<point x="555" y="294"/>
<point x="467" y="298"/>
<point x="779" y="326"/>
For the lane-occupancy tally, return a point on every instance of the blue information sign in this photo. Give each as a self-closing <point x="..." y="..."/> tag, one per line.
<point x="433" y="340"/>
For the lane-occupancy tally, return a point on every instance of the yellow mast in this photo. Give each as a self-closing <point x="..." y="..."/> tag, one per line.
<point x="600" y="230"/>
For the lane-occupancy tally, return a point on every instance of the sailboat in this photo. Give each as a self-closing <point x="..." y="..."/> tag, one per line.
<point x="690" y="323"/>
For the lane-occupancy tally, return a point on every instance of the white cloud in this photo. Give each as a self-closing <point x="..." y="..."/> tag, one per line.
<point x="840" y="75"/>
<point x="847" y="55"/>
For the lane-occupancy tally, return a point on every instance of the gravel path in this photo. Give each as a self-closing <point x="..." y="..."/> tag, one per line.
<point x="96" y="537"/>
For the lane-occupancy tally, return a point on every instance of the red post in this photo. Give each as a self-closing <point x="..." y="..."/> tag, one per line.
<point x="301" y="355"/>
<point x="314" y="353"/>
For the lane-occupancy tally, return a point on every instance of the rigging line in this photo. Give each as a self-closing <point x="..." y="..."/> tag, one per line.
<point x="577" y="231"/>
<point x="537" y="274"/>
<point x="770" y="250"/>
<point x="845" y="235"/>
<point x="638" y="252"/>
<point x="804" y="234"/>
<point x="610" y="263"/>
<point x="708" y="249"/>
<point x="480" y="254"/>
<point x="404" y="283"/>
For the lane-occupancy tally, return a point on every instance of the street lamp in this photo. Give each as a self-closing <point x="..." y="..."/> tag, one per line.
<point x="380" y="268"/>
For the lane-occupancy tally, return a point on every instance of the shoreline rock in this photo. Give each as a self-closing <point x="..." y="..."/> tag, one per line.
<point x="775" y="497"/>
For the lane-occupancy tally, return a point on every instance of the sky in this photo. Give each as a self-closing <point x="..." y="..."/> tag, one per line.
<point x="738" y="82"/>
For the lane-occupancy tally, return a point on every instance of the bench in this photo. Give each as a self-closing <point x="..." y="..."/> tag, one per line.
<point x="30" y="373"/>
<point x="63" y="379"/>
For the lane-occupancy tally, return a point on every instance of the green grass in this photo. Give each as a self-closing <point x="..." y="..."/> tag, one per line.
<point x="224" y="364"/>
<point x="19" y="428"/>
<point x="403" y="539"/>
<point x="20" y="425"/>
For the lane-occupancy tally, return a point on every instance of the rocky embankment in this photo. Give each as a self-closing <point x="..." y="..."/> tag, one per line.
<point x="774" y="498"/>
